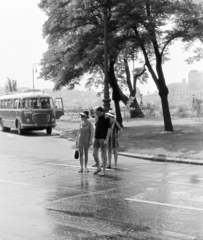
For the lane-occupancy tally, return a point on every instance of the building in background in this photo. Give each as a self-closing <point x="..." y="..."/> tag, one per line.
<point x="195" y="80"/>
<point x="180" y="93"/>
<point x="178" y="87"/>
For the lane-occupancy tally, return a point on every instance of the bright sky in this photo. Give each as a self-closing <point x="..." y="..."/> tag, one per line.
<point x="22" y="44"/>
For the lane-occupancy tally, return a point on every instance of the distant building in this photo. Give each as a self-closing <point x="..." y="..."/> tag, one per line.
<point x="195" y="80"/>
<point x="182" y="92"/>
<point x="178" y="87"/>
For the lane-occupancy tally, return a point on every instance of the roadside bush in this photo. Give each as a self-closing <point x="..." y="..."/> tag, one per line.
<point x="152" y="110"/>
<point x="197" y="107"/>
<point x="183" y="111"/>
<point x="196" y="110"/>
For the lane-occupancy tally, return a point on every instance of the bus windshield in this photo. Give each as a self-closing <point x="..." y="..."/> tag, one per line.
<point x="37" y="103"/>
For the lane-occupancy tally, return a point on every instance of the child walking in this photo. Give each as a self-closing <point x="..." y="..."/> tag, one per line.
<point x="84" y="139"/>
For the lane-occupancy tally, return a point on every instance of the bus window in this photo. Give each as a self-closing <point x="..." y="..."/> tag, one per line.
<point x="20" y="104"/>
<point x="15" y="104"/>
<point x="58" y="103"/>
<point x="9" y="103"/>
<point x="26" y="103"/>
<point x="5" y="104"/>
<point x="30" y="103"/>
<point x="0" y="104"/>
<point x="46" y="103"/>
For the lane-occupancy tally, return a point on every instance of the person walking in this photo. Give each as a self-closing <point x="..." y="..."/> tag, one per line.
<point x="84" y="139"/>
<point x="102" y="132"/>
<point x="113" y="145"/>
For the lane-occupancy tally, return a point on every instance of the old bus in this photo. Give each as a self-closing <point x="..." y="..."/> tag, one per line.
<point x="29" y="110"/>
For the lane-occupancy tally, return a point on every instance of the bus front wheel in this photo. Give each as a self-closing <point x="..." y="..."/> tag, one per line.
<point x="20" y="130"/>
<point x="49" y="130"/>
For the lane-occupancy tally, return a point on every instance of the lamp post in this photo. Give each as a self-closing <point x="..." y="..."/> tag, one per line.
<point x="106" y="99"/>
<point x="193" y="98"/>
<point x="34" y="69"/>
<point x="141" y="103"/>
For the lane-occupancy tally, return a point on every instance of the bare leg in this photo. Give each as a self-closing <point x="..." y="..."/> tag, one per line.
<point x="104" y="157"/>
<point x="86" y="156"/>
<point x="109" y="156"/>
<point x="101" y="160"/>
<point x="115" y="153"/>
<point x="96" y="157"/>
<point x="81" y="157"/>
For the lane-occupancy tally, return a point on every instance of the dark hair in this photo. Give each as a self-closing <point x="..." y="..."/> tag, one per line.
<point x="87" y="113"/>
<point x="99" y="109"/>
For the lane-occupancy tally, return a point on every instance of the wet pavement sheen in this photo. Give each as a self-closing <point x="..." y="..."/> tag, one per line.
<point x="44" y="197"/>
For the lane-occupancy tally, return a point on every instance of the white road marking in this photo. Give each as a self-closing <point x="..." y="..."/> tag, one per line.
<point x="179" y="183"/>
<point x="59" y="164"/>
<point x="164" y="204"/>
<point x="5" y="181"/>
<point x="76" y="166"/>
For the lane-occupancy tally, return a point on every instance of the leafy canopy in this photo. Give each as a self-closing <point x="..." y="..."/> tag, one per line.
<point x="74" y="32"/>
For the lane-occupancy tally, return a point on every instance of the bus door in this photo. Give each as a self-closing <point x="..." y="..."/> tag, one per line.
<point x="59" y="107"/>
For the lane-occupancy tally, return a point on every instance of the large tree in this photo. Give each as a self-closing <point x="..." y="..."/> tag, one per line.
<point x="76" y="45"/>
<point x="74" y="32"/>
<point x="154" y="25"/>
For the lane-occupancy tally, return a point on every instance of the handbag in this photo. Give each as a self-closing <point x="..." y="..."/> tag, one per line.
<point x="76" y="154"/>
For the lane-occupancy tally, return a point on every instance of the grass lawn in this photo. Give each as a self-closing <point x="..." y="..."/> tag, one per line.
<point x="146" y="136"/>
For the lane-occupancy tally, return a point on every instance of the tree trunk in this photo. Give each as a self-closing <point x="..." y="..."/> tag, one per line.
<point x="163" y="93"/>
<point x="118" y="113"/>
<point x="136" y="113"/>
<point x="116" y="95"/>
<point x="159" y="81"/>
<point x="166" y="113"/>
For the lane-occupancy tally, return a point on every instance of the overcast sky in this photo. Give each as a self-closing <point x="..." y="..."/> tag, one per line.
<point x="22" y="44"/>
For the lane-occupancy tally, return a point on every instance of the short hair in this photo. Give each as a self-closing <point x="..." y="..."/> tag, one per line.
<point x="99" y="109"/>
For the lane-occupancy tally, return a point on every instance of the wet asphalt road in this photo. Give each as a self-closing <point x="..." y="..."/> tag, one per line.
<point x="44" y="197"/>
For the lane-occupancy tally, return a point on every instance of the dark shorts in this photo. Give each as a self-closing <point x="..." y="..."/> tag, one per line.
<point x="99" y="143"/>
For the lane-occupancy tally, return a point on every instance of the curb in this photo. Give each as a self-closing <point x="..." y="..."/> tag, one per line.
<point x="162" y="158"/>
<point x="156" y="158"/>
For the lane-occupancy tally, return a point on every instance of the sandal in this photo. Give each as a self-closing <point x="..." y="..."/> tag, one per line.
<point x="80" y="171"/>
<point x="86" y="170"/>
<point x="109" y="167"/>
<point x="97" y="171"/>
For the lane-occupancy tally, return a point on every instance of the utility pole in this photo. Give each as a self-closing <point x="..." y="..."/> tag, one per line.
<point x="34" y="69"/>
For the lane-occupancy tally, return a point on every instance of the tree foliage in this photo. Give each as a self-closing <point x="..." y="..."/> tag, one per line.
<point x="74" y="32"/>
<point x="10" y="85"/>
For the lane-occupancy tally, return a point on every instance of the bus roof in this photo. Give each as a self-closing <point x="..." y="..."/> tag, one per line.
<point x="25" y="94"/>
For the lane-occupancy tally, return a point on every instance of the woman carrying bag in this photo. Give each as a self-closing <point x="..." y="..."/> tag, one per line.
<point x="84" y="139"/>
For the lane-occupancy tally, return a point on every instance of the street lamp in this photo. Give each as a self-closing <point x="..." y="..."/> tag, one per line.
<point x="106" y="99"/>
<point x="141" y="103"/>
<point x="34" y="69"/>
<point x="193" y="98"/>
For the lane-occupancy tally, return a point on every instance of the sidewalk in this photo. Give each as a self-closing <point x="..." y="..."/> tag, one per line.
<point x="145" y="139"/>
